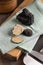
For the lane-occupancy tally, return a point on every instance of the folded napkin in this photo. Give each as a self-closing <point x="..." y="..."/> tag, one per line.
<point x="29" y="43"/>
<point x="5" y="46"/>
<point x="38" y="18"/>
<point x="37" y="26"/>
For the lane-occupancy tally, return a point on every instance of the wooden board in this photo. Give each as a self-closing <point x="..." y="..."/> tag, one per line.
<point x="7" y="62"/>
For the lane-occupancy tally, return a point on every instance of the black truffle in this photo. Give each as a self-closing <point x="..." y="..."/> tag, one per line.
<point x="27" y="32"/>
<point x="26" y="17"/>
<point x="26" y="11"/>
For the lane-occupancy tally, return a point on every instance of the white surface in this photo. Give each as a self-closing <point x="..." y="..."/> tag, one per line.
<point x="28" y="60"/>
<point x="29" y="42"/>
<point x="39" y="5"/>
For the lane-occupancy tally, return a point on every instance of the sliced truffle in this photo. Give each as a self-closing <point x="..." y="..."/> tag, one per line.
<point x="17" y="39"/>
<point x="18" y="29"/>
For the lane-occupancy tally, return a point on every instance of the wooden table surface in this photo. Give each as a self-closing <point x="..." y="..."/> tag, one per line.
<point x="20" y="61"/>
<point x="7" y="62"/>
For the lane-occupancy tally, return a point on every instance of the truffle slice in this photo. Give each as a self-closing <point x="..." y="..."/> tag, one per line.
<point x="17" y="39"/>
<point x="18" y="29"/>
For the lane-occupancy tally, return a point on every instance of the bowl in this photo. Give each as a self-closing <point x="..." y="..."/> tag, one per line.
<point x="7" y="6"/>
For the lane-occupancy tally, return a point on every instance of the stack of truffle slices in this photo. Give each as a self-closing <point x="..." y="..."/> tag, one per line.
<point x="17" y="31"/>
<point x="26" y="17"/>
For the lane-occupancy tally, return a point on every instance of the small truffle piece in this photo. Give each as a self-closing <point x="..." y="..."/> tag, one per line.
<point x="26" y="17"/>
<point x="17" y="39"/>
<point x="13" y="54"/>
<point x="27" y="32"/>
<point x="18" y="29"/>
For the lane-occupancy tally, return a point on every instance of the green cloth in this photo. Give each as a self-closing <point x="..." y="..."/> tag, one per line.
<point x="29" y="42"/>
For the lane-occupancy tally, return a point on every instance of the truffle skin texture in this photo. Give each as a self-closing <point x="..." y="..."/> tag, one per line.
<point x="27" y="32"/>
<point x="26" y="18"/>
<point x="26" y="11"/>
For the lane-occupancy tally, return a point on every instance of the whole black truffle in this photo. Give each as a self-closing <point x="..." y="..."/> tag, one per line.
<point x="26" y="11"/>
<point x="22" y="19"/>
<point x="27" y="32"/>
<point x="26" y="17"/>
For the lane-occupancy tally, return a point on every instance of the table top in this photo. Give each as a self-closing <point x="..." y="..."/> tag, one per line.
<point x="3" y="17"/>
